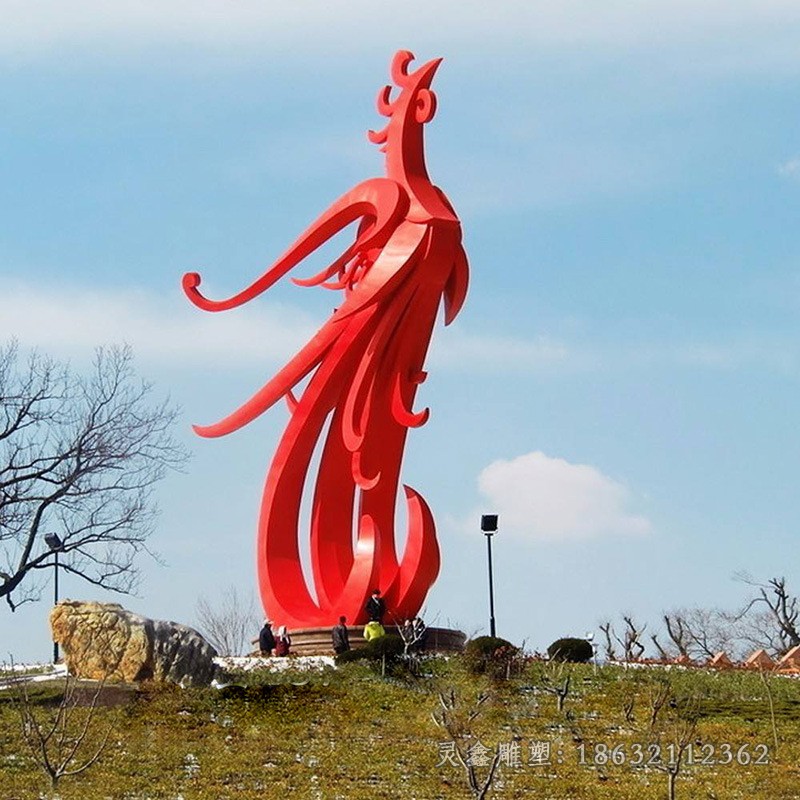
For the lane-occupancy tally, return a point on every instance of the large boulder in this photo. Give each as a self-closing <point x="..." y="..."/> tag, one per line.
<point x="104" y="641"/>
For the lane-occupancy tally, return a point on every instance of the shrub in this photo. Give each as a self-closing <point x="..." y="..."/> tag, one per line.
<point x="571" y="649"/>
<point x="389" y="646"/>
<point x="490" y="655"/>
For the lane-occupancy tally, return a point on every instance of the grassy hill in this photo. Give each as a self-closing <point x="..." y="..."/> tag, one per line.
<point x="352" y="733"/>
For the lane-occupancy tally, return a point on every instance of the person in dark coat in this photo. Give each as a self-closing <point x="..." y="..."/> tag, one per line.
<point x="419" y="634"/>
<point x="266" y="639"/>
<point x="375" y="606"/>
<point x="341" y="639"/>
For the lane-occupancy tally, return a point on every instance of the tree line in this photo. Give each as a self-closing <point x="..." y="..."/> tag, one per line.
<point x="767" y="619"/>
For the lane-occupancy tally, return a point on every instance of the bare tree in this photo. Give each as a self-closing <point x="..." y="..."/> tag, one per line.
<point x="79" y="456"/>
<point x="658" y="695"/>
<point x="667" y="727"/>
<point x="662" y="653"/>
<point x="766" y="680"/>
<point x="756" y="630"/>
<point x="63" y="740"/>
<point x="677" y="632"/>
<point x="701" y="633"/>
<point x="631" y="641"/>
<point x="456" y="720"/>
<point x="609" y="635"/>
<point x="413" y="632"/>
<point x="230" y="625"/>
<point x="556" y="680"/>
<point x="782" y="610"/>
<point x="673" y="727"/>
<point x="627" y="708"/>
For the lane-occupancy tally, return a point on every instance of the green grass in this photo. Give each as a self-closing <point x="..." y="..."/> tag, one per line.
<point x="350" y="733"/>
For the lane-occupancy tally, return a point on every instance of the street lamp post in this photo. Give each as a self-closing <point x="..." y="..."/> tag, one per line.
<point x="489" y="528"/>
<point x="54" y="542"/>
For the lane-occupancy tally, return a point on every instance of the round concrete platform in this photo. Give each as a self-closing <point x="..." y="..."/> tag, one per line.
<point x="317" y="641"/>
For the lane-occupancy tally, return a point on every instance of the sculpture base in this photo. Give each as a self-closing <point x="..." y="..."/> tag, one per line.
<point x="317" y="641"/>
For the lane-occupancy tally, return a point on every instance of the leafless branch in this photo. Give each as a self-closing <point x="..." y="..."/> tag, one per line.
<point x="62" y="741"/>
<point x="782" y="608"/>
<point x="455" y="718"/>
<point x="610" y="636"/>
<point x="79" y="456"/>
<point x="630" y="641"/>
<point x="662" y="653"/>
<point x="229" y="625"/>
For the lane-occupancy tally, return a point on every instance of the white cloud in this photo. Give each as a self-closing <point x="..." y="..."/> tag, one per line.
<point x="489" y="353"/>
<point x="455" y="349"/>
<point x="759" y="353"/>
<point x="170" y="331"/>
<point x="756" y="351"/>
<point x="790" y="168"/>
<point x="73" y="322"/>
<point x="568" y="170"/>
<point x="278" y="159"/>
<point x="543" y="498"/>
<point x="715" y="29"/>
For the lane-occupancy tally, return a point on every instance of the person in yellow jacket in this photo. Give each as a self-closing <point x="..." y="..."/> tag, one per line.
<point x="373" y="630"/>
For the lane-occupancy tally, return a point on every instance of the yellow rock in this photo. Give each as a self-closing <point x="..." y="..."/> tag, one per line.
<point x="106" y="641"/>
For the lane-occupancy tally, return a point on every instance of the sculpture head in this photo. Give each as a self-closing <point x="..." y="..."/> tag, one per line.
<point x="415" y="104"/>
<point x="412" y="107"/>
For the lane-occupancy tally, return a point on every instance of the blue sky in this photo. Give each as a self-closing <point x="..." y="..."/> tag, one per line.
<point x="621" y="386"/>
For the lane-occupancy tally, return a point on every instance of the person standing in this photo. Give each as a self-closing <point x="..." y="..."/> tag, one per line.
<point x="266" y="639"/>
<point x="375" y="607"/>
<point x="419" y="634"/>
<point x="341" y="639"/>
<point x="283" y="643"/>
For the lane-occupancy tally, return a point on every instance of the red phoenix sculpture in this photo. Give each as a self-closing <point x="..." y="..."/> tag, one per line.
<point x="363" y="368"/>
